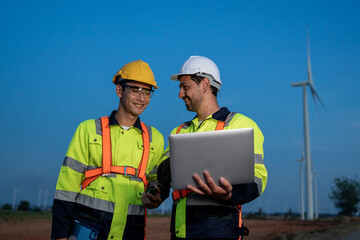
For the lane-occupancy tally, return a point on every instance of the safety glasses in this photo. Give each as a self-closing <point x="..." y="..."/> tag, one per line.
<point x="137" y="91"/>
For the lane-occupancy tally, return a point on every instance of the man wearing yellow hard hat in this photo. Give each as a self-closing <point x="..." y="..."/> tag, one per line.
<point x="108" y="177"/>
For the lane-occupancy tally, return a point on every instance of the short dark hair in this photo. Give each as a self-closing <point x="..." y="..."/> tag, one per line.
<point x="121" y="81"/>
<point x="125" y="81"/>
<point x="117" y="80"/>
<point x="198" y="79"/>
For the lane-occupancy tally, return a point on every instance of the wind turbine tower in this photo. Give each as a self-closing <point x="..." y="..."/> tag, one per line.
<point x="45" y="198"/>
<point x="300" y="161"/>
<point x="14" y="198"/>
<point x="39" y="197"/>
<point x="316" y="197"/>
<point x="308" y="162"/>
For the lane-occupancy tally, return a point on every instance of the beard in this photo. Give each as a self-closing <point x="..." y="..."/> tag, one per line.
<point x="193" y="104"/>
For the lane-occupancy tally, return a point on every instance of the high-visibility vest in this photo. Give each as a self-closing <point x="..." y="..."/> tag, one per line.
<point x="107" y="167"/>
<point x="184" y="192"/>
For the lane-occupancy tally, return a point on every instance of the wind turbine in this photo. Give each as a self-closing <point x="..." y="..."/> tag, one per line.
<point x="14" y="198"/>
<point x="45" y="197"/>
<point x="308" y="163"/>
<point x="300" y="161"/>
<point x="39" y="197"/>
<point x="316" y="197"/>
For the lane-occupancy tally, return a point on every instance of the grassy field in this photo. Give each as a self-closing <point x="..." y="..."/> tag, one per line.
<point x="6" y="215"/>
<point x="23" y="215"/>
<point x="30" y="225"/>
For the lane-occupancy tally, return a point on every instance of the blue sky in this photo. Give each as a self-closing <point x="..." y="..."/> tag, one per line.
<point x="57" y="60"/>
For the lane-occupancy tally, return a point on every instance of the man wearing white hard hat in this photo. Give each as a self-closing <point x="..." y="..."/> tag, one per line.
<point x="220" y="217"/>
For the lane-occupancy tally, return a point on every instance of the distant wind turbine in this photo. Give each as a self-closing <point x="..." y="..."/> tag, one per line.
<point x="14" y="198"/>
<point x="308" y="162"/>
<point x="300" y="161"/>
<point x="45" y="198"/>
<point x="162" y="209"/>
<point x="316" y="197"/>
<point x="39" y="197"/>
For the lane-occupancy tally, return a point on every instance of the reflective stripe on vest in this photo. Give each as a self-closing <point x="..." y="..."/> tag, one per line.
<point x="184" y="192"/>
<point x="107" y="167"/>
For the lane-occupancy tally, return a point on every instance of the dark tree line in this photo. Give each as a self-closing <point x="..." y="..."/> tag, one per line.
<point x="23" y="206"/>
<point x="346" y="195"/>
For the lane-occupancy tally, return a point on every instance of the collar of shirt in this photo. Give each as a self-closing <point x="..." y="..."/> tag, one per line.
<point x="113" y="121"/>
<point x="220" y="115"/>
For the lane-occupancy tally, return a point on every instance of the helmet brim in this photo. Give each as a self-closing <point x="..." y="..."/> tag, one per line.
<point x="175" y="77"/>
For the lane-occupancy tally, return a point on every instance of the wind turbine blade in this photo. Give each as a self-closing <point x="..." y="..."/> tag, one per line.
<point x="310" y="80"/>
<point x="315" y="95"/>
<point x="308" y="57"/>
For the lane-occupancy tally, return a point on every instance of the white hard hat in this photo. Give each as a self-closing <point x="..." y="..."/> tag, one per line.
<point x="200" y="66"/>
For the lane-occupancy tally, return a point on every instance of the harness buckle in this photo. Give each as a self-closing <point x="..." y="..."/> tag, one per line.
<point x="106" y="174"/>
<point x="125" y="174"/>
<point x="129" y="175"/>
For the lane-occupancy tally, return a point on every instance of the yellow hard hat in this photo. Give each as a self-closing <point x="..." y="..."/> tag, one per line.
<point x="137" y="71"/>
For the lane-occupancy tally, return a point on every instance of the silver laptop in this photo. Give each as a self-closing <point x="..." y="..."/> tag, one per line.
<point x="225" y="153"/>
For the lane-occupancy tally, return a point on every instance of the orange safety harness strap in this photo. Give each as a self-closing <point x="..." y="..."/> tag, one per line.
<point x="240" y="219"/>
<point x="180" y="127"/>
<point x="145" y="155"/>
<point x="180" y="193"/>
<point x="243" y="231"/>
<point x="107" y="167"/>
<point x="106" y="148"/>
<point x="220" y="125"/>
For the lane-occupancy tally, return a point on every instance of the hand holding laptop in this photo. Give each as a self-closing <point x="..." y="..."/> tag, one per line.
<point x="221" y="192"/>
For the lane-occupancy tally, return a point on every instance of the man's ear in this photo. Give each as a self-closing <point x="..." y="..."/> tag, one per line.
<point x="119" y="91"/>
<point x="206" y="84"/>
